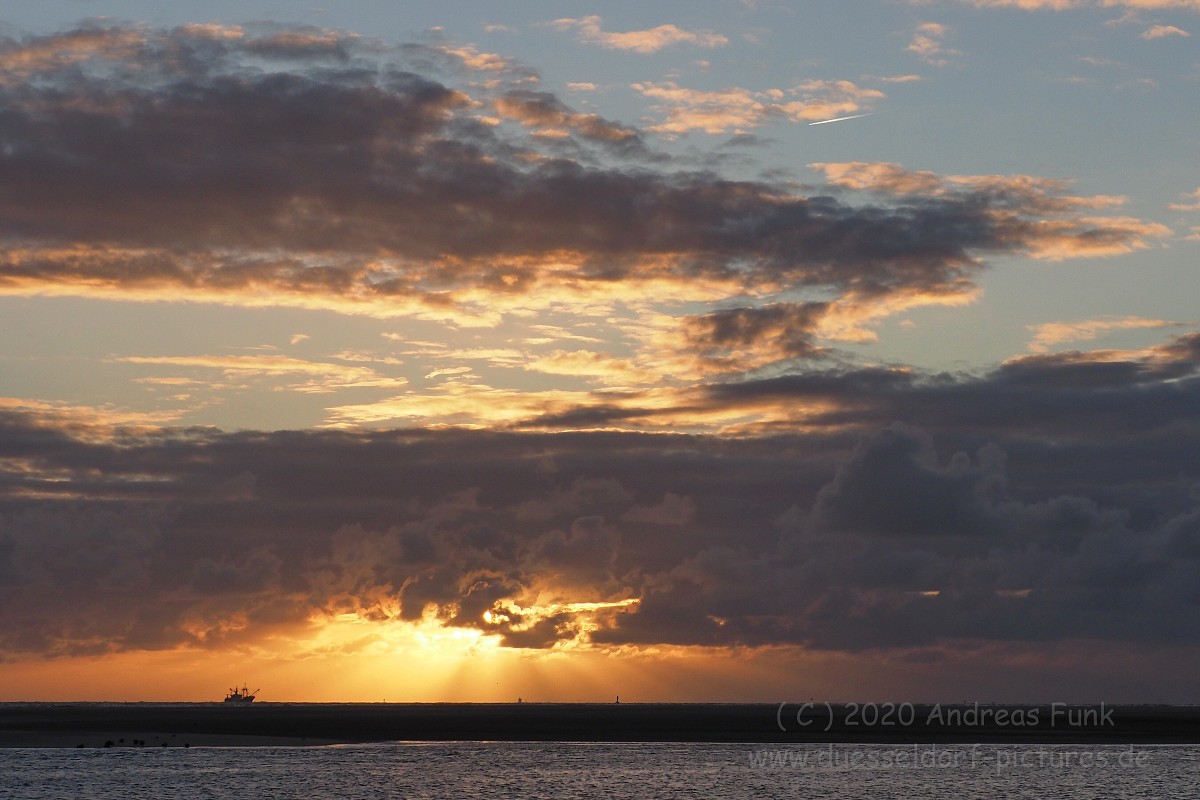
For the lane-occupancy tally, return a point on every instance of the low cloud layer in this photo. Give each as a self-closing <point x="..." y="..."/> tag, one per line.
<point x="1054" y="499"/>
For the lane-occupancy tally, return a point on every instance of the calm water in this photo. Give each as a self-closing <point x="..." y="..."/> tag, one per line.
<point x="557" y="770"/>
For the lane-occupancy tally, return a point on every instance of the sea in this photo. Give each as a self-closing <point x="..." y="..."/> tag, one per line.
<point x="494" y="770"/>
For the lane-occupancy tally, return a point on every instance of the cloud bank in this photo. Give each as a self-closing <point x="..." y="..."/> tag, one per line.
<point x="315" y="169"/>
<point x="1053" y="499"/>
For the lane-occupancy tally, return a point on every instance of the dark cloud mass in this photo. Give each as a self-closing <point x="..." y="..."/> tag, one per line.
<point x="305" y="164"/>
<point x="1004" y="520"/>
<point x="786" y="329"/>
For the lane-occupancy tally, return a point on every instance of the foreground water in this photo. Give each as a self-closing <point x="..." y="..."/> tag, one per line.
<point x="560" y="770"/>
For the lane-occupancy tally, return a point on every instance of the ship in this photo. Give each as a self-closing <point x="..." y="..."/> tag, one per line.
<point x="240" y="696"/>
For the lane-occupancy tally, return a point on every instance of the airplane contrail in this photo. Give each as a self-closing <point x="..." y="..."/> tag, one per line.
<point x="839" y="119"/>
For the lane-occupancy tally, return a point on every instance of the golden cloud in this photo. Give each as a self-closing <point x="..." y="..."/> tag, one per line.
<point x="590" y="364"/>
<point x="1049" y="334"/>
<point x="927" y="43"/>
<point x="1195" y="206"/>
<point x="1066" y="5"/>
<point x="650" y="40"/>
<point x="324" y="376"/>
<point x="737" y="108"/>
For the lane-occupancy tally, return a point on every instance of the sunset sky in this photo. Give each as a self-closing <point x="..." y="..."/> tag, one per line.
<point x="475" y="351"/>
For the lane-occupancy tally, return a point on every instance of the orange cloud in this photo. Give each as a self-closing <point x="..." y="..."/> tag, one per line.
<point x="64" y="50"/>
<point x="540" y="109"/>
<point x="1188" y="206"/>
<point x="927" y="42"/>
<point x="1065" y="5"/>
<point x="85" y="423"/>
<point x="1046" y="194"/>
<point x="325" y="377"/>
<point x="1049" y="334"/>
<point x="650" y="40"/>
<point x="738" y="108"/>
<point x="744" y="338"/>
<point x="471" y="58"/>
<point x="879" y="176"/>
<point x="1091" y="237"/>
<point x="467" y="405"/>
<point x="1028" y="5"/>
<point x="457" y="404"/>
<point x="1047" y="219"/>
<point x="596" y="366"/>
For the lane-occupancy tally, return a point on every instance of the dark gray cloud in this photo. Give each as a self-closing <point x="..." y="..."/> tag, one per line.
<point x="779" y="331"/>
<point x="981" y="516"/>
<point x="892" y="486"/>
<point x="300" y="163"/>
<point x="1063" y="397"/>
<point x="545" y="110"/>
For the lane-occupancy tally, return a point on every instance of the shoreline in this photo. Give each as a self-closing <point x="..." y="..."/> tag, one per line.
<point x="145" y="740"/>
<point x="312" y="724"/>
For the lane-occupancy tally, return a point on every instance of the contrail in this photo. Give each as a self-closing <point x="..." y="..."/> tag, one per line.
<point x="839" y="119"/>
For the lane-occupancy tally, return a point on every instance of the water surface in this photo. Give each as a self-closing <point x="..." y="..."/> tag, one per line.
<point x="496" y="770"/>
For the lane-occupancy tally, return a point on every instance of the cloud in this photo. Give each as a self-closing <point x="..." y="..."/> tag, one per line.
<point x="358" y="178"/>
<point x="323" y="376"/>
<point x="1064" y="5"/>
<point x="1048" y="334"/>
<point x="1055" y="240"/>
<point x="20" y="61"/>
<point x="82" y="422"/>
<point x="1194" y="206"/>
<point x="1029" y="5"/>
<point x="1050" y="500"/>
<point x="1070" y="383"/>
<point x="460" y="403"/>
<point x="650" y="40"/>
<point x="894" y="179"/>
<point x="892" y="486"/>
<point x="736" y="108"/>
<point x="1162" y="31"/>
<point x="928" y="44"/>
<point x="749" y="337"/>
<point x="590" y="364"/>
<point x="473" y="59"/>
<point x="545" y="110"/>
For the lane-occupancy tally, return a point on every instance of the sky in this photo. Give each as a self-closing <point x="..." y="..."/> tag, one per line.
<point x="714" y="351"/>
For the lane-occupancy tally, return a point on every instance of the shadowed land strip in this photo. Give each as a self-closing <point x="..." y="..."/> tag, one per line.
<point x="207" y="724"/>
